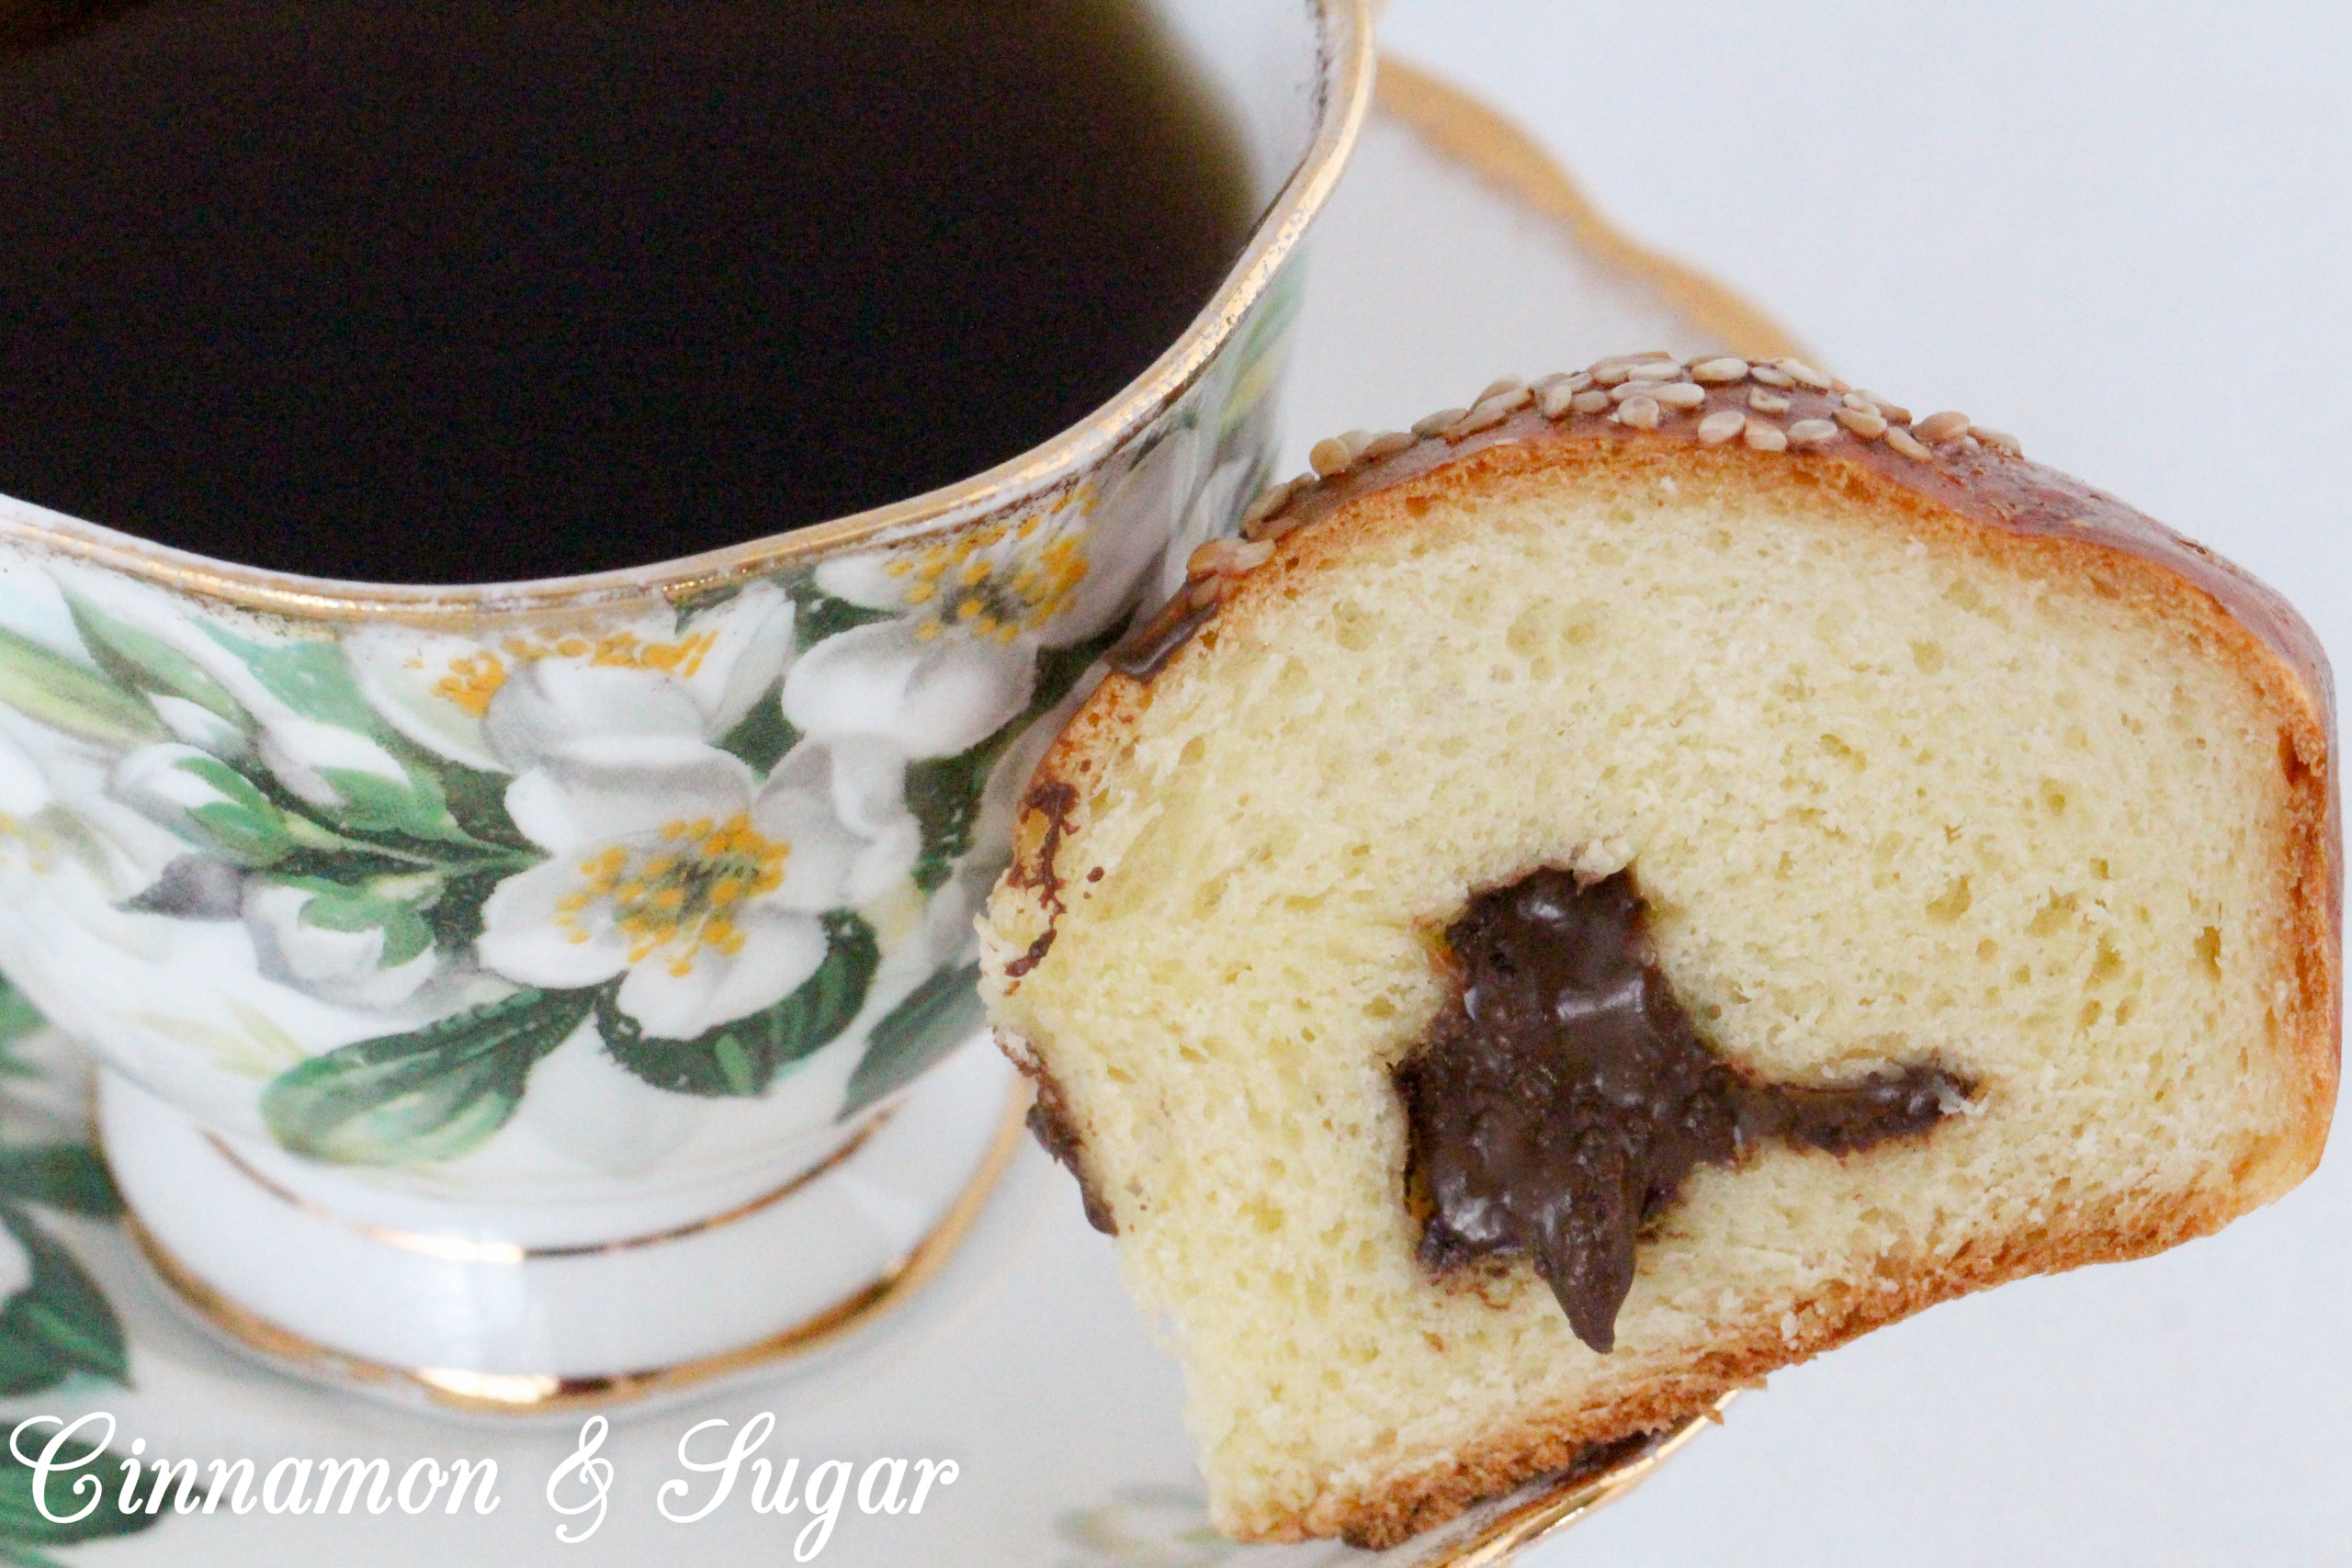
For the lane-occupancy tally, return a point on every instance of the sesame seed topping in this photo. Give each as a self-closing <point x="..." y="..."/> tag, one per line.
<point x="1270" y="500"/>
<point x="1639" y="412"/>
<point x="1556" y="399"/>
<point x="1812" y="432"/>
<point x="1765" y="436"/>
<point x="1903" y="441"/>
<point x="1485" y="416"/>
<point x="1204" y="593"/>
<point x="1387" y="446"/>
<point x="1357" y="440"/>
<point x="1497" y="387"/>
<point x="1436" y="423"/>
<point x="1209" y="559"/>
<point x="1804" y="375"/>
<point x="1250" y="557"/>
<point x="1895" y="412"/>
<point x="1330" y="456"/>
<point x="1839" y="387"/>
<point x="1858" y="401"/>
<point x="1870" y="427"/>
<point x="1939" y="428"/>
<point x="1618" y="367"/>
<point x="1719" y="372"/>
<point x="1771" y="376"/>
<point x="1592" y="401"/>
<point x="1679" y="394"/>
<point x="1657" y="370"/>
<point x="1998" y="439"/>
<point x="1763" y="401"/>
<point x="1721" y="426"/>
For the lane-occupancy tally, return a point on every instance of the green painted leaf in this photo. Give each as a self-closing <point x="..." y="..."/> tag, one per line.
<point x="18" y="1017"/>
<point x="415" y="808"/>
<point x="24" y="1527"/>
<point x="944" y="792"/>
<point x="244" y="826"/>
<point x="338" y="908"/>
<point x="1058" y="670"/>
<point x="44" y="684"/>
<point x="937" y="1016"/>
<point x="64" y="1176"/>
<point x="456" y="915"/>
<point x="477" y="802"/>
<point x="314" y="678"/>
<point x="821" y="615"/>
<point x="147" y="663"/>
<point x="763" y="735"/>
<point x="744" y="1057"/>
<point x="59" y="1324"/>
<point x="431" y="1094"/>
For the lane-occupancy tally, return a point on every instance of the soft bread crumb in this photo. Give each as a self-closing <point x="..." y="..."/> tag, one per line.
<point x="1893" y="788"/>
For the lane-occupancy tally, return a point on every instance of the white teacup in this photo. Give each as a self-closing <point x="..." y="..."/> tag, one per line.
<point x="519" y="994"/>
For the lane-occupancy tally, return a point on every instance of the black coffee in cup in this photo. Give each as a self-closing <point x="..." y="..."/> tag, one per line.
<point x="475" y="290"/>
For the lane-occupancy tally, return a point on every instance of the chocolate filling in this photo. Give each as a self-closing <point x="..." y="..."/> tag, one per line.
<point x="1049" y="1123"/>
<point x="1562" y="1099"/>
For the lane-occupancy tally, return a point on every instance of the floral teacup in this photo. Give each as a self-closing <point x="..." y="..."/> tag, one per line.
<point x="513" y="993"/>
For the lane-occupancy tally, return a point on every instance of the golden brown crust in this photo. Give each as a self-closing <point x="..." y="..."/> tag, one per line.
<point x="1966" y="493"/>
<point x="1403" y="1506"/>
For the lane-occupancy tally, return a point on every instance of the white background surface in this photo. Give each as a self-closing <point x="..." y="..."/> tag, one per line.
<point x="2120" y="233"/>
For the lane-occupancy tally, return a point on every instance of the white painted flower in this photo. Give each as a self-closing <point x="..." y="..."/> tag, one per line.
<point x="444" y="692"/>
<point x="957" y="660"/>
<point x="58" y="813"/>
<point x="200" y="727"/>
<point x="675" y="867"/>
<point x="563" y="708"/>
<point x="344" y="966"/>
<point x="16" y="1267"/>
<point x="598" y="1114"/>
<point x="304" y="752"/>
<point x="24" y="789"/>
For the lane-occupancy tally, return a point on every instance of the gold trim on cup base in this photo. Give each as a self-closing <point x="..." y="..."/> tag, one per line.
<point x="545" y="1393"/>
<point x="463" y="1249"/>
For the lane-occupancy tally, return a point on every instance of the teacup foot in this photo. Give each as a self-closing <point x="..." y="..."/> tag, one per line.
<point x="432" y="1317"/>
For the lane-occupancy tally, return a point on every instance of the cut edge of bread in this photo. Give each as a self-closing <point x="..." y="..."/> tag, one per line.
<point x="1966" y="502"/>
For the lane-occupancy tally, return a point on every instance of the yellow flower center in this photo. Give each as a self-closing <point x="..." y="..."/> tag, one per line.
<point x="1000" y="580"/>
<point x="474" y="678"/>
<point x="679" y="897"/>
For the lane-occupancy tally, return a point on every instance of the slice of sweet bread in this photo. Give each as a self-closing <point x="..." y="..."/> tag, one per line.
<point x="1642" y="881"/>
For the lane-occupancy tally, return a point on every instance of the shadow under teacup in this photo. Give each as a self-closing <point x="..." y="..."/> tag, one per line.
<point x="517" y="995"/>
